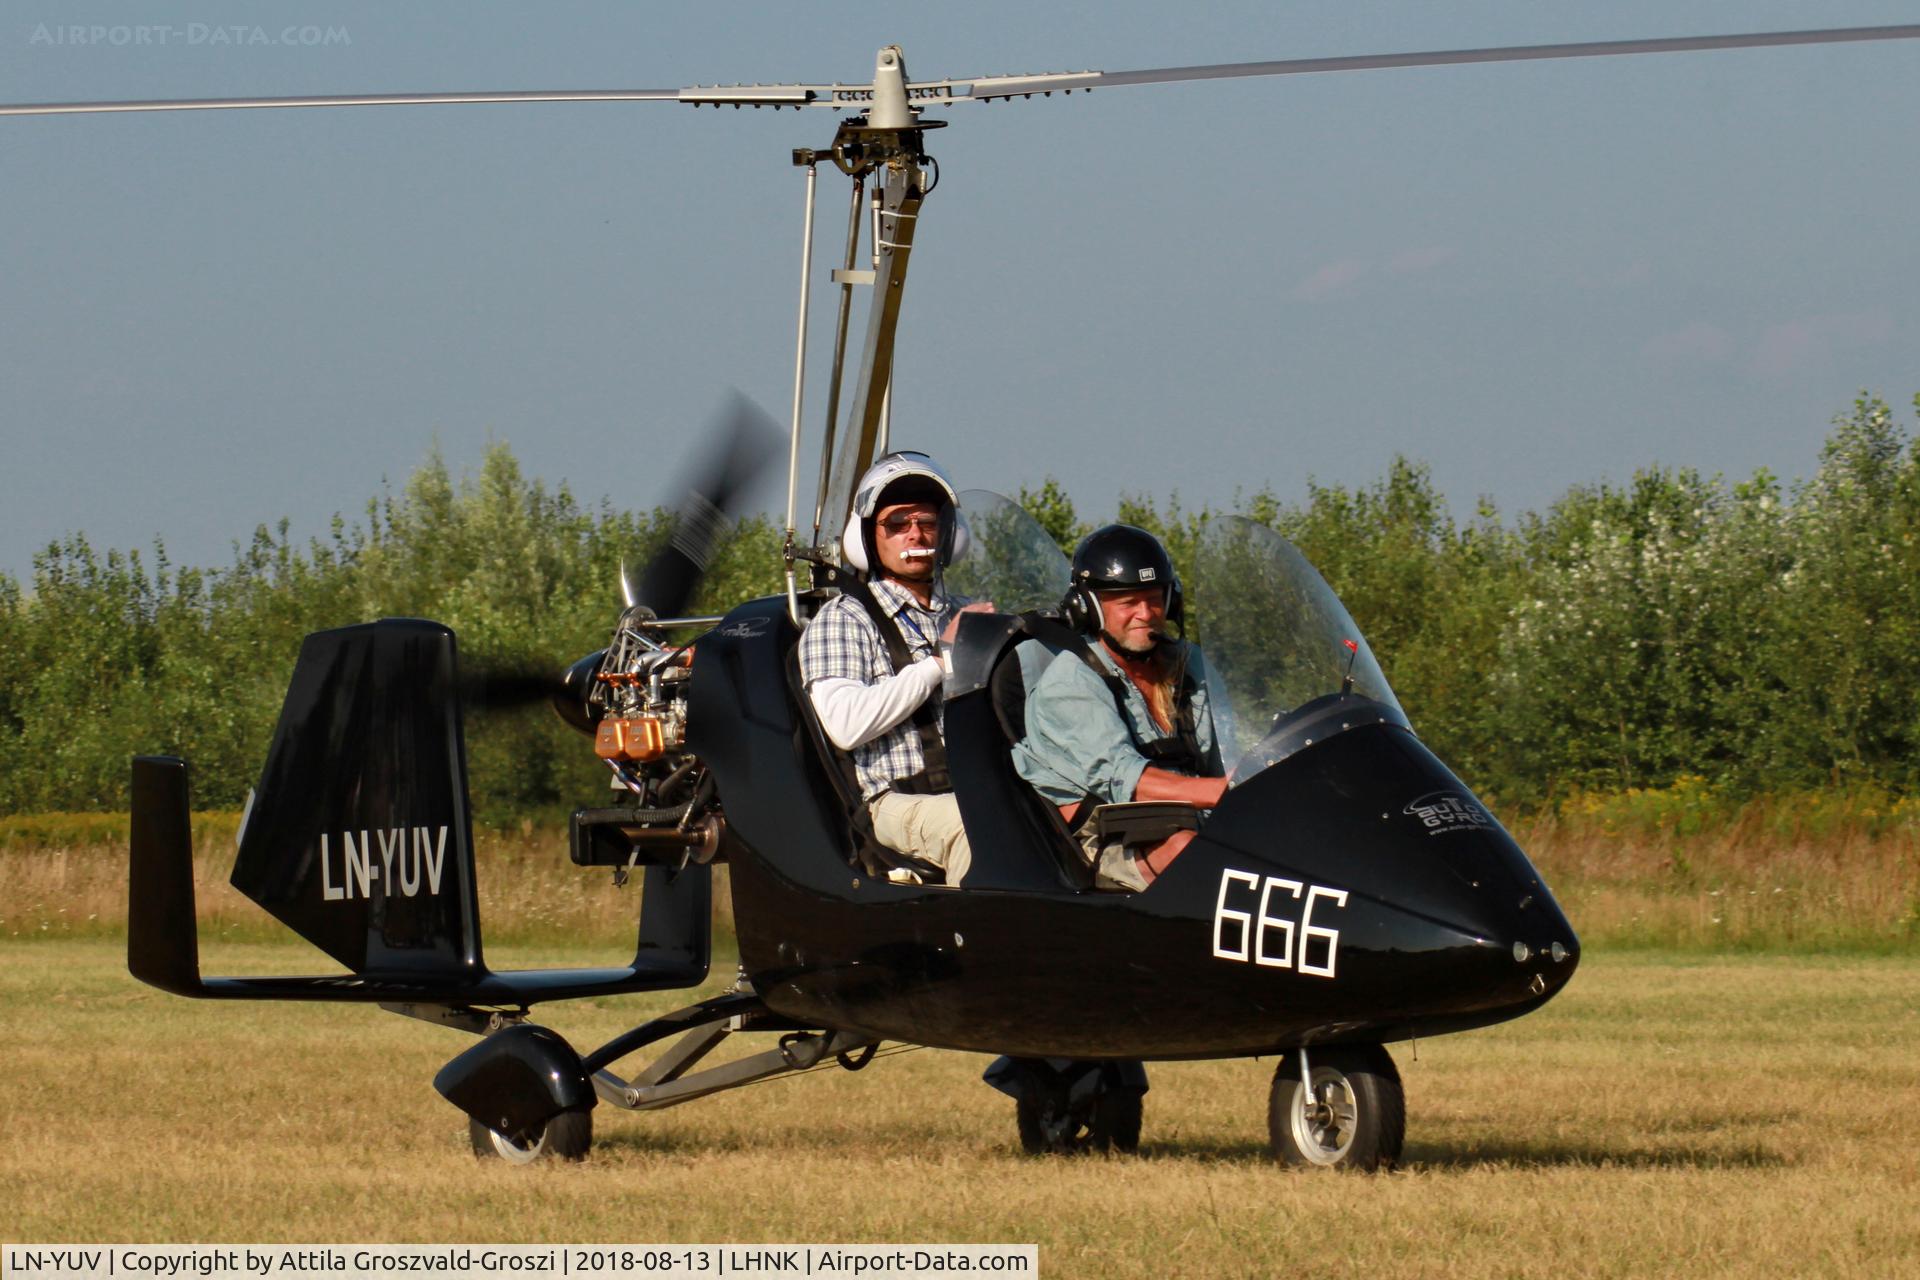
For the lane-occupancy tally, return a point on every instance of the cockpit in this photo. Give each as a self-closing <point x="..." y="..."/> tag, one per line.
<point x="1285" y="667"/>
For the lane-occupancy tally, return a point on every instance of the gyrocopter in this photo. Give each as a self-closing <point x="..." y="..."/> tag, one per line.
<point x="1349" y="891"/>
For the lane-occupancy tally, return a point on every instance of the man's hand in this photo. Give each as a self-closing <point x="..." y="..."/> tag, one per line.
<point x="953" y="623"/>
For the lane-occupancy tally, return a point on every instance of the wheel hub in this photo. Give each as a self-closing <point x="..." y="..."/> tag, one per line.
<point x="1325" y="1119"/>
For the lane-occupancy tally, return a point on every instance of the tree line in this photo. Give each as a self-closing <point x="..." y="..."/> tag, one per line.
<point x="1760" y="634"/>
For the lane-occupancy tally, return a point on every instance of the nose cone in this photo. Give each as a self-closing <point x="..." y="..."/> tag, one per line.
<point x="1504" y="972"/>
<point x="1522" y="948"/>
<point x="1448" y="924"/>
<point x="1447" y="969"/>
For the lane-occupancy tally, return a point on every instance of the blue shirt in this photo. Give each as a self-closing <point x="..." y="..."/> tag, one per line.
<point x="1077" y="742"/>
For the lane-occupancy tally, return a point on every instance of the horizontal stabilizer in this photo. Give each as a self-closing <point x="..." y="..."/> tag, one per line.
<point x="163" y="947"/>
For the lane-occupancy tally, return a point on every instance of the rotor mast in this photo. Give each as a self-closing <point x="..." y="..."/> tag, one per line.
<point x="885" y="145"/>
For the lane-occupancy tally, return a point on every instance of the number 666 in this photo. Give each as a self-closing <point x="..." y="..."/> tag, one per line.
<point x="1250" y="934"/>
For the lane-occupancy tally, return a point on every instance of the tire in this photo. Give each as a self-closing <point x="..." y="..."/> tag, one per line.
<point x="1116" y="1121"/>
<point x="1109" y="1122"/>
<point x="567" y="1136"/>
<point x="1355" y="1119"/>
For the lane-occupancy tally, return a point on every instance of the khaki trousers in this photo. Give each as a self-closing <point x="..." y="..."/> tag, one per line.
<point x="1113" y="863"/>
<point x="924" y="827"/>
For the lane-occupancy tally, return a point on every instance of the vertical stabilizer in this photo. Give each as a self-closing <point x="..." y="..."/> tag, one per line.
<point x="359" y="838"/>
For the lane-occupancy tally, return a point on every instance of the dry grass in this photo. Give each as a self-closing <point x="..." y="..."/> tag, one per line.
<point x="1745" y="884"/>
<point x="1665" y="1115"/>
<point x="1752" y="881"/>
<point x="61" y="877"/>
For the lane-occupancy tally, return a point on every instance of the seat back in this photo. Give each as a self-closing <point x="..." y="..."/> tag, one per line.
<point x="865" y="849"/>
<point x="1018" y="838"/>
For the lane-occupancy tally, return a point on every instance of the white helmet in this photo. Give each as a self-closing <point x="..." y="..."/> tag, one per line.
<point x="911" y="477"/>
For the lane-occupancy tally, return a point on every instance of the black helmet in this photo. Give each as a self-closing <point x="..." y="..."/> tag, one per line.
<point x="1119" y="557"/>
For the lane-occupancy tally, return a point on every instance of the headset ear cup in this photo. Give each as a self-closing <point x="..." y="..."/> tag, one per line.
<point x="853" y="547"/>
<point x="1177" y="604"/>
<point x="1082" y="609"/>
<point x="955" y="538"/>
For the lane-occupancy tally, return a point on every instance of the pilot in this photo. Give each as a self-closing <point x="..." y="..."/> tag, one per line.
<point x="1124" y="717"/>
<point x="870" y="659"/>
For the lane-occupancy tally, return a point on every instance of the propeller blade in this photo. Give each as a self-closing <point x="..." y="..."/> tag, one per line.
<point x="989" y="88"/>
<point x="743" y="441"/>
<point x="508" y="688"/>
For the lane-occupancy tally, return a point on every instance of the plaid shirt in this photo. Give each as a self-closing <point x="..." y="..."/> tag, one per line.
<point x="842" y="643"/>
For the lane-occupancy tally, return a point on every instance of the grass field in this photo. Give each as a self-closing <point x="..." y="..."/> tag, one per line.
<point x="1773" y="876"/>
<point x="1668" y="1114"/>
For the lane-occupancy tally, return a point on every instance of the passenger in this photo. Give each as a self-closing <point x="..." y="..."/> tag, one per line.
<point x="870" y="659"/>
<point x="1124" y="718"/>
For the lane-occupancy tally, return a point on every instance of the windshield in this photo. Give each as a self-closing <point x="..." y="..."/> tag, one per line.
<point x="1011" y="561"/>
<point x="1280" y="648"/>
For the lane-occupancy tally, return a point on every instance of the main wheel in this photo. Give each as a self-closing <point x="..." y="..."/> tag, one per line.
<point x="566" y="1137"/>
<point x="1109" y="1121"/>
<point x="1353" y="1116"/>
<point x="1116" y="1120"/>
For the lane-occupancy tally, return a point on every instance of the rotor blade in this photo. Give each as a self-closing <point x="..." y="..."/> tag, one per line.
<point x="994" y="87"/>
<point x="743" y="440"/>
<point x="341" y="100"/>
<point x="923" y="93"/>
<point x="744" y="95"/>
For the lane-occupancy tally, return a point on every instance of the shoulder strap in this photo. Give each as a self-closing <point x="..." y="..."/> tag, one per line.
<point x="1068" y="640"/>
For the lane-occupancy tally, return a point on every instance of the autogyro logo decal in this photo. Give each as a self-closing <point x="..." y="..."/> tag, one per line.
<point x="1443" y="811"/>
<point x="745" y="629"/>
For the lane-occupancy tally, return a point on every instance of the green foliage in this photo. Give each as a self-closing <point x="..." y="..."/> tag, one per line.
<point x="106" y="658"/>
<point x="1050" y="505"/>
<point x="1677" y="633"/>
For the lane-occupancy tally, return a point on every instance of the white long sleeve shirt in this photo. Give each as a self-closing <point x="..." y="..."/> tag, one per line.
<point x="862" y="703"/>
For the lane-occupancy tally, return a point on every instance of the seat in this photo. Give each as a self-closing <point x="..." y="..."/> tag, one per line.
<point x="1011" y="675"/>
<point x="836" y="768"/>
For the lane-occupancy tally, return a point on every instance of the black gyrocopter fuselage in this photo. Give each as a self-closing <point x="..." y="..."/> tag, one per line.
<point x="1349" y="890"/>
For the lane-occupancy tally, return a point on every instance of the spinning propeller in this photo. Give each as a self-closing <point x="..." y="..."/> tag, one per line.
<point x="741" y="440"/>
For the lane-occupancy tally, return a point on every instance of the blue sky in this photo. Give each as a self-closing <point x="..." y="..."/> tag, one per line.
<point x="1528" y="276"/>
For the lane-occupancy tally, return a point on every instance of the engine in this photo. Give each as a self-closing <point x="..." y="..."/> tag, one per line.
<point x="640" y="692"/>
<point x="633" y="699"/>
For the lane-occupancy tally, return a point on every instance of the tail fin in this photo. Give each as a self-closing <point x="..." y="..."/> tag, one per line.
<point x="358" y="836"/>
<point x="358" y="839"/>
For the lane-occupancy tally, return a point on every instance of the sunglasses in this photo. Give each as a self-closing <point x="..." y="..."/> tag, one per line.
<point x="897" y="525"/>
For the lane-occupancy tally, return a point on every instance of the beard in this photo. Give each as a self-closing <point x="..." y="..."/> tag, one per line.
<point x="1152" y="646"/>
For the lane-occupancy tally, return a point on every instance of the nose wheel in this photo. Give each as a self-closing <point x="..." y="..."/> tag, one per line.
<point x="1347" y="1111"/>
